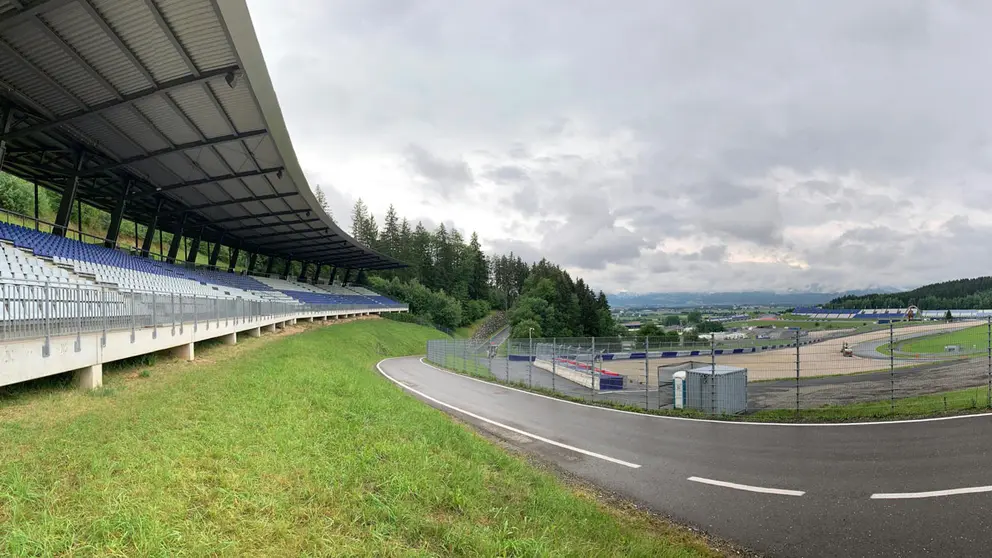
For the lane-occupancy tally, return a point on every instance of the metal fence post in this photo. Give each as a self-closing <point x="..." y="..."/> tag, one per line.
<point x="103" y="317"/>
<point x="79" y="319"/>
<point x="554" y="361"/>
<point x="892" y="368"/>
<point x="712" y="373"/>
<point x="465" y="357"/>
<point x="46" y="349"/>
<point x="592" y="369"/>
<point x="172" y="311"/>
<point x="133" y="316"/>
<point x="530" y="361"/>
<point x="797" y="372"/>
<point x="988" y="345"/>
<point x="508" y="345"/>
<point x="647" y="367"/>
<point x="196" y="315"/>
<point x="154" y="316"/>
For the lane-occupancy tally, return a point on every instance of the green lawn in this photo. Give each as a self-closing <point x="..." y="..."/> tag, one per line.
<point x="287" y="445"/>
<point x="970" y="339"/>
<point x="468" y="331"/>
<point x="952" y="402"/>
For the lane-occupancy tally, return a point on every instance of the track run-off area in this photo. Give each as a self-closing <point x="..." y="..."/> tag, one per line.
<point x="902" y="488"/>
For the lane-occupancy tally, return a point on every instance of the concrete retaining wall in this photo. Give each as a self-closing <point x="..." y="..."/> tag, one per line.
<point x="24" y="359"/>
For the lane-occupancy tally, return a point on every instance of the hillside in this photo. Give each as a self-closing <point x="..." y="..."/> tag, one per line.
<point x="963" y="294"/>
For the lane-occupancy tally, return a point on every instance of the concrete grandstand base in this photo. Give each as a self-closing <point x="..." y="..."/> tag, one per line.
<point x="88" y="377"/>
<point x="254" y="332"/>
<point x="24" y="359"/>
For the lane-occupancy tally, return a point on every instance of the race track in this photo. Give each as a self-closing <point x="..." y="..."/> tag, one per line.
<point x="909" y="489"/>
<point x="817" y="359"/>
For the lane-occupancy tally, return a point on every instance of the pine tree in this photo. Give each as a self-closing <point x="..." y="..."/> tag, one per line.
<point x="322" y="200"/>
<point x="359" y="216"/>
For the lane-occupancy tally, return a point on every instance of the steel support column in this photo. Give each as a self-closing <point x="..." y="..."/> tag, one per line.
<point x="285" y="270"/>
<point x="68" y="196"/>
<point x="347" y="274"/>
<point x="195" y="248"/>
<point x="316" y="273"/>
<point x="177" y="239"/>
<point x="212" y="262"/>
<point x="334" y="271"/>
<point x="235" y="253"/>
<point x="116" y="216"/>
<point x="251" y="262"/>
<point x="5" y="122"/>
<point x="270" y="263"/>
<point x="303" y="272"/>
<point x="146" y="244"/>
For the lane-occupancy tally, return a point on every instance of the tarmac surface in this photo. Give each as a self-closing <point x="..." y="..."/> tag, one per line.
<point x="915" y="488"/>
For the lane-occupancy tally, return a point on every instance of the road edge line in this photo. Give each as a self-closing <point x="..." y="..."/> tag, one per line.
<point x="505" y="426"/>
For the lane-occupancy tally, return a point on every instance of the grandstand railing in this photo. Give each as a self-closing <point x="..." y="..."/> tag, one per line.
<point x="43" y="310"/>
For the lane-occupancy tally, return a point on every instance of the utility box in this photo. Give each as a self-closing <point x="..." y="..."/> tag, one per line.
<point x="716" y="389"/>
<point x="678" y="389"/>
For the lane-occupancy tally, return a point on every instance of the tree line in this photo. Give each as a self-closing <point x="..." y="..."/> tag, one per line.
<point x="453" y="282"/>
<point x="962" y="294"/>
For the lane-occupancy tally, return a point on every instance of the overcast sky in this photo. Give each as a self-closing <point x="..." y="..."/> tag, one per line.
<point x="657" y="145"/>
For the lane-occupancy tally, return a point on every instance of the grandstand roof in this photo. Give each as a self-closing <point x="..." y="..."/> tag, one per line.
<point x="173" y="98"/>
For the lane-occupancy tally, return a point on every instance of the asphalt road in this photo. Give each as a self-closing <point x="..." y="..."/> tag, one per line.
<point x="794" y="490"/>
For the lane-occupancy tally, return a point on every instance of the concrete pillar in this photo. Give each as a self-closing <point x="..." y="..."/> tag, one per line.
<point x="271" y="328"/>
<point x="309" y="319"/>
<point x="88" y="377"/>
<point x="183" y="352"/>
<point x="229" y="339"/>
<point x="254" y="332"/>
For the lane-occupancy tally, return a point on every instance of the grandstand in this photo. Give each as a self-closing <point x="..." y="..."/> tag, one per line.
<point x="161" y="113"/>
<point x="891" y="314"/>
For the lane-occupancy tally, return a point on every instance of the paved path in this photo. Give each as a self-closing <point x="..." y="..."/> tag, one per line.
<point x="896" y="489"/>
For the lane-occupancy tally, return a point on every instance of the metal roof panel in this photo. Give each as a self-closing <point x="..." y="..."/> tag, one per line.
<point x="195" y="25"/>
<point x="137" y="28"/>
<point x="77" y="28"/>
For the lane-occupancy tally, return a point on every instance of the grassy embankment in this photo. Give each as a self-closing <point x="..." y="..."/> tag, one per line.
<point x="285" y="446"/>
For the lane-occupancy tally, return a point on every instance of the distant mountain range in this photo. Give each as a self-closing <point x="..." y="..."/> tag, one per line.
<point x="746" y="298"/>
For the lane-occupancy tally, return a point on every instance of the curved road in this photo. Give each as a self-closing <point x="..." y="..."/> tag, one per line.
<point x="913" y="488"/>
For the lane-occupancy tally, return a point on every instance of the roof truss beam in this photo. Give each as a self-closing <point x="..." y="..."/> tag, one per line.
<point x="209" y="180"/>
<point x="270" y="225"/>
<point x="235" y="201"/>
<point x="168" y="151"/>
<point x="125" y="100"/>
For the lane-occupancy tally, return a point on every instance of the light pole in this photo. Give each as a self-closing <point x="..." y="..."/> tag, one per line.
<point x="530" y="357"/>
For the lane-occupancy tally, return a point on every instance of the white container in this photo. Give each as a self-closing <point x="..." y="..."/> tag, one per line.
<point x="717" y="390"/>
<point x="678" y="389"/>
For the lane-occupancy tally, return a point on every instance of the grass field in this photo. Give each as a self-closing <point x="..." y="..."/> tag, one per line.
<point x="970" y="339"/>
<point x="468" y="331"/>
<point x="952" y="402"/>
<point x="287" y="445"/>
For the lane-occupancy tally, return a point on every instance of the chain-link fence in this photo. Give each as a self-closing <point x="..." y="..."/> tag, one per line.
<point x="906" y="368"/>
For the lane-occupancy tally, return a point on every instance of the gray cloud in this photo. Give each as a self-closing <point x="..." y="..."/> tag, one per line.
<point x="446" y="177"/>
<point x="837" y="145"/>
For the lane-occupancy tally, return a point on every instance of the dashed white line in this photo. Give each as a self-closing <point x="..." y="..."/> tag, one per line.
<point x="508" y="427"/>
<point x="931" y="494"/>
<point x="749" y="488"/>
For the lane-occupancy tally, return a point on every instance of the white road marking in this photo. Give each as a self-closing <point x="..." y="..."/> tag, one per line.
<point x="510" y="428"/>
<point x="931" y="494"/>
<point x="749" y="488"/>
<point x="715" y="421"/>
